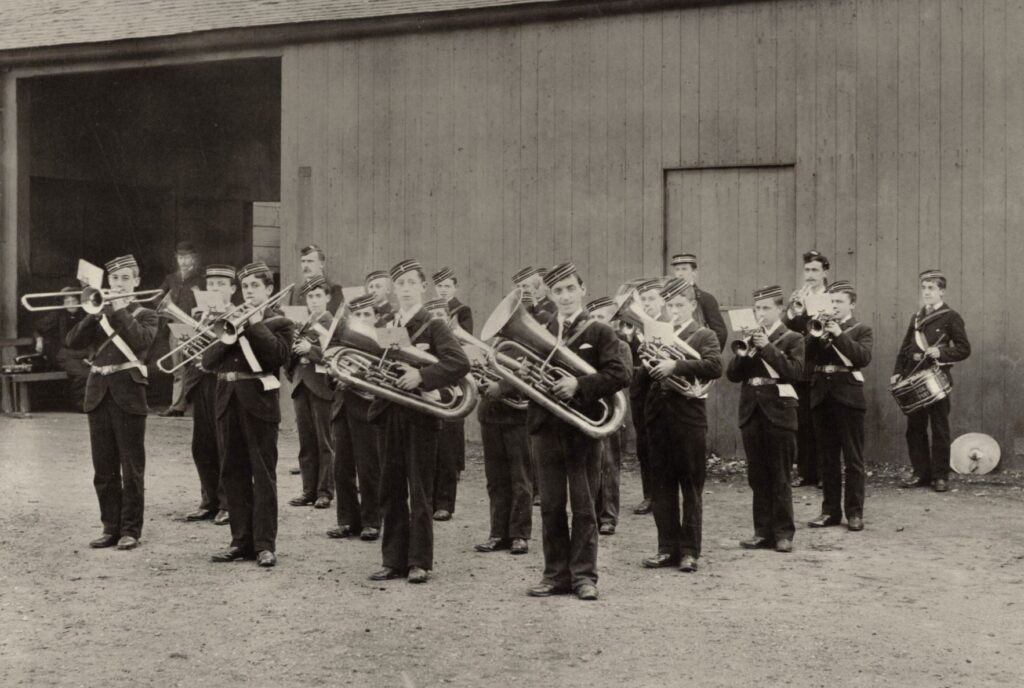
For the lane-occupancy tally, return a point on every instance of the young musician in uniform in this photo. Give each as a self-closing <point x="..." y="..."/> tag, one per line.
<point x="410" y="437"/>
<point x="808" y="462"/>
<point x="602" y="310"/>
<point x="115" y="399"/>
<point x="378" y="284"/>
<point x="356" y="457"/>
<point x="936" y="336"/>
<point x="311" y="397"/>
<point x="201" y="390"/>
<point x="529" y="282"/>
<point x="768" y="418"/>
<point x="248" y="415"/>
<point x="564" y="454"/>
<point x="838" y="406"/>
<point x="677" y="425"/>
<point x="447" y="286"/>
<point x="707" y="314"/>
<point x="451" y="441"/>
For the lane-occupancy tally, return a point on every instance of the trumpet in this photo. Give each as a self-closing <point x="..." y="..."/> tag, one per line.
<point x="90" y="299"/>
<point x="532" y="361"/>
<point x="484" y="374"/>
<point x="742" y="346"/>
<point x="651" y="351"/>
<point x="362" y="364"/>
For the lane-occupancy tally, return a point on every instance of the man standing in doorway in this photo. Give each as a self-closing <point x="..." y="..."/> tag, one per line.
<point x="182" y="285"/>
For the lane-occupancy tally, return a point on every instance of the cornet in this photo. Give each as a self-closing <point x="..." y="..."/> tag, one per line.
<point x="816" y="326"/>
<point x="90" y="299"/>
<point x="742" y="346"/>
<point x="796" y="301"/>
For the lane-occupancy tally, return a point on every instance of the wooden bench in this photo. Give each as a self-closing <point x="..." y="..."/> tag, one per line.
<point x="14" y="398"/>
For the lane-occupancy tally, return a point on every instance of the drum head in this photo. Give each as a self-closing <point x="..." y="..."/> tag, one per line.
<point x="973" y="454"/>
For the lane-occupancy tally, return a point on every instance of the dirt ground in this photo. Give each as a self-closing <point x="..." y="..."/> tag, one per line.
<point x="930" y="594"/>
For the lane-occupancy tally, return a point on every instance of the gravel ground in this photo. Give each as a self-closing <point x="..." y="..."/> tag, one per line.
<point x="930" y="594"/>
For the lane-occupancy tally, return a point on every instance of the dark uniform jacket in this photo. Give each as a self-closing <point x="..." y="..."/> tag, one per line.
<point x="798" y="324"/>
<point x="271" y="342"/>
<point x="855" y="343"/>
<point x="137" y="326"/>
<point x="302" y="369"/>
<point x="954" y="346"/>
<point x="335" y="297"/>
<point x="544" y="310"/>
<point x="181" y="289"/>
<point x="785" y="354"/>
<point x="688" y="410"/>
<point x="54" y="327"/>
<point x="462" y="313"/>
<point x="385" y="314"/>
<point x="597" y="344"/>
<point x="709" y="315"/>
<point x="434" y="337"/>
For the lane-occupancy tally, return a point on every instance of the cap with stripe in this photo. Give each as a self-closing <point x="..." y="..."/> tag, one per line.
<point x="122" y="262"/>
<point x="524" y="274"/>
<point x="675" y="287"/>
<point x="218" y="270"/>
<point x="376" y="275"/>
<point x="770" y="292"/>
<point x="599" y="303"/>
<point x="442" y="274"/>
<point x="684" y="259"/>
<point x="311" y="249"/>
<point x="364" y="301"/>
<point x="402" y="267"/>
<point x="934" y="274"/>
<point x="436" y="305"/>
<point x="559" y="273"/>
<point x="818" y="256"/>
<point x="648" y="285"/>
<point x="255" y="268"/>
<point x="841" y="287"/>
<point x="314" y="282"/>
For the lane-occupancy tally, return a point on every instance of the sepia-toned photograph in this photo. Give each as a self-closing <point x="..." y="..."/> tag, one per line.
<point x="576" y="343"/>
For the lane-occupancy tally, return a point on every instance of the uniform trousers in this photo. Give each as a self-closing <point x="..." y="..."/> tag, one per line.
<point x="770" y="451"/>
<point x="451" y="460"/>
<point x="249" y="477"/>
<point x="839" y="430"/>
<point x="636" y="407"/>
<point x="611" y="468"/>
<point x="507" y="469"/>
<point x="808" y="461"/>
<point x="118" y="442"/>
<point x="316" y="456"/>
<point x="356" y="471"/>
<point x="206" y="445"/>
<point x="930" y="461"/>
<point x="679" y="455"/>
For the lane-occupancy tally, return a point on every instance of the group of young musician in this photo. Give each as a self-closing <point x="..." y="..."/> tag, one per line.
<point x="393" y="469"/>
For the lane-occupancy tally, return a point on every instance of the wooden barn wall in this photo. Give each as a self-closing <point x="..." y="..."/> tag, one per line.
<point x="490" y="149"/>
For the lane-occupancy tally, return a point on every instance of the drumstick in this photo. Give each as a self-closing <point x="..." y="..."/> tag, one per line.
<point x="925" y="358"/>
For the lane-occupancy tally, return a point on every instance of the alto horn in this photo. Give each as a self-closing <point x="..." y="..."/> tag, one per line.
<point x="361" y="363"/>
<point x="652" y="350"/>
<point x="90" y="299"/>
<point x="533" y="361"/>
<point x="485" y="374"/>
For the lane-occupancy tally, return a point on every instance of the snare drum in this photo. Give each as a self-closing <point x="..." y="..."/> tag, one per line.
<point x="921" y="389"/>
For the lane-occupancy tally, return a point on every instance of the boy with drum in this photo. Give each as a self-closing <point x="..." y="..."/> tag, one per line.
<point x="936" y="336"/>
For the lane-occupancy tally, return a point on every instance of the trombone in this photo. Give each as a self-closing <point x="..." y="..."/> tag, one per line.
<point x="90" y="299"/>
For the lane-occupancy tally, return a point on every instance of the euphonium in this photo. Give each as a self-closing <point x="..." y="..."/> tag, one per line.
<point x="90" y="299"/>
<point x="651" y="351"/>
<point x="484" y="374"/>
<point x="361" y="363"/>
<point x="532" y="360"/>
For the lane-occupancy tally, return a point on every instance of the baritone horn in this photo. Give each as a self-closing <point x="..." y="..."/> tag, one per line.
<point x="652" y="350"/>
<point x="532" y="361"/>
<point x="90" y="299"/>
<point x="485" y="374"/>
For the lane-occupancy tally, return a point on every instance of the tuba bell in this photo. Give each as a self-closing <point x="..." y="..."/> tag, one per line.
<point x="362" y="364"/>
<point x="532" y="361"/>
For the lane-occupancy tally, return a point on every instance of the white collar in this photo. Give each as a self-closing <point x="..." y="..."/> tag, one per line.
<point x="566" y="321"/>
<point x="845" y="319"/>
<point x="404" y="316"/>
<point x="774" y="327"/>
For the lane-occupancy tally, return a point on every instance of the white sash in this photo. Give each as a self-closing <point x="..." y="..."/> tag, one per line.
<point x="857" y="375"/>
<point x="786" y="390"/>
<point x="269" y="381"/>
<point x="122" y="345"/>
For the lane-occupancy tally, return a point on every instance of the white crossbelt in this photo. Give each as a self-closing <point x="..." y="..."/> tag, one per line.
<point x="269" y="381"/>
<point x="122" y="346"/>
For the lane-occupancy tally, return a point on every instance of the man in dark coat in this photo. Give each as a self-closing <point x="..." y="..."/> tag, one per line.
<point x="707" y="313"/>
<point x="181" y="286"/>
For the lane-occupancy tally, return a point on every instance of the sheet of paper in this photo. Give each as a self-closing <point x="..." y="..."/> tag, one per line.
<point x="656" y="331"/>
<point x="352" y="293"/>
<point x="741" y="319"/>
<point x="214" y="301"/>
<point x="295" y="313"/>
<point x="393" y="336"/>
<point x="90" y="274"/>
<point x="815" y="304"/>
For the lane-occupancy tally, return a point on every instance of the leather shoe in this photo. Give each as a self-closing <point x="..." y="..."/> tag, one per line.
<point x="295" y="471"/>
<point x="519" y="546"/>
<point x="322" y="503"/>
<point x="105" y="540"/>
<point x="222" y="518"/>
<point x="200" y="515"/>
<point x="688" y="564"/>
<point x="386" y="573"/>
<point x="127" y="542"/>
<point x="783" y="545"/>
<point x="660" y="560"/>
<point x="607" y="529"/>
<point x="940" y="485"/>
<point x="418" y="575"/>
<point x="232" y="554"/>
<point x="369" y="533"/>
<point x="914" y="481"/>
<point x="587" y="592"/>
<point x="492" y="545"/>
<point x="855" y="523"/>
<point x="757" y="542"/>
<point x="546" y="590"/>
<point x="339" y="533"/>
<point x="824" y="521"/>
<point x="442" y="515"/>
<point x="301" y="501"/>
<point x="643" y="507"/>
<point x="171" y="413"/>
<point x="266" y="558"/>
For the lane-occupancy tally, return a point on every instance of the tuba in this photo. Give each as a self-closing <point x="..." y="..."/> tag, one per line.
<point x="484" y="374"/>
<point x="652" y="350"/>
<point x="361" y="363"/>
<point x="532" y="360"/>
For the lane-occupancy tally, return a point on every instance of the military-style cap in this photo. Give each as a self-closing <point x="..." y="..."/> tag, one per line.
<point x="402" y="267"/>
<point x="312" y="248"/>
<point x="684" y="259"/>
<point x="601" y="302"/>
<point x="375" y="275"/>
<point x="185" y="247"/>
<point x="524" y="274"/>
<point x="772" y="292"/>
<point x="436" y="305"/>
<point x="816" y="255"/>
<point x="935" y="275"/>
<point x="442" y="274"/>
<point x="122" y="262"/>
<point x="841" y="287"/>
<point x="314" y="282"/>
<point x="648" y="285"/>
<point x="676" y="286"/>
<point x="559" y="273"/>
<point x="364" y="301"/>
<point x="217" y="270"/>
<point x="255" y="268"/>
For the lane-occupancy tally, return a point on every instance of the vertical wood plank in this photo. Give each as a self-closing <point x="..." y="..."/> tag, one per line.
<point x="786" y="102"/>
<point x="727" y="46"/>
<point x="511" y="185"/>
<point x="708" y="87"/>
<point x="529" y="177"/>
<point x="766" y="88"/>
<point x="689" y="88"/>
<point x="844" y="264"/>
<point x="806" y="155"/>
<point x="616" y="103"/>
<point x="597" y="196"/>
<point x="671" y="87"/>
<point x="1014" y="343"/>
<point x="580" y="119"/>
<point x="825" y="131"/>
<point x="929" y="114"/>
<point x="544" y="248"/>
<point x="563" y="144"/>
<point x="633" y="29"/>
<point x="951" y="137"/>
<point x="745" y="51"/>
<point x="653" y="233"/>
